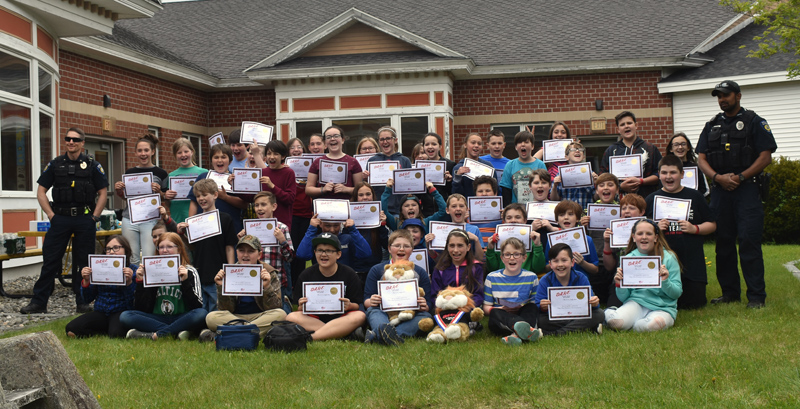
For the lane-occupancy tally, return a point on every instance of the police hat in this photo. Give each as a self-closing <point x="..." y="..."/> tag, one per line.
<point x="726" y="87"/>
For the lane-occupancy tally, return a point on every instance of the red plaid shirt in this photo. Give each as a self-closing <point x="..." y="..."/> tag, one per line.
<point x="278" y="256"/>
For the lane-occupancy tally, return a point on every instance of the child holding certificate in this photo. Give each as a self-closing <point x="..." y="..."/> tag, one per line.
<point x="539" y="184"/>
<point x="353" y="244"/>
<point x="302" y="207"/>
<point x="575" y="153"/>
<point x="211" y="252"/>
<point x="411" y="206"/>
<point x="517" y="172"/>
<point x="347" y="175"/>
<point x="231" y="205"/>
<point x="509" y="296"/>
<point x="432" y="143"/>
<point x="456" y="266"/>
<point x="472" y="149"/>
<point x="138" y="235"/>
<point x="680" y="146"/>
<point x="564" y="275"/>
<point x="486" y="186"/>
<point x="648" y="309"/>
<point x="328" y="250"/>
<point x="685" y="237"/>
<point x="559" y="130"/>
<point x="387" y="145"/>
<point x="377" y="237"/>
<point x="567" y="215"/>
<point x="606" y="188"/>
<point x="532" y="260"/>
<point x="381" y="331"/>
<point x="631" y="205"/>
<point x="175" y="310"/>
<point x="259" y="310"/>
<point x="277" y="178"/>
<point x="184" y="153"/>
<point x="109" y="300"/>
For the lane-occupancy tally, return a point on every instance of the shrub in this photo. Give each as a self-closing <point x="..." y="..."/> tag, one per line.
<point x="782" y="210"/>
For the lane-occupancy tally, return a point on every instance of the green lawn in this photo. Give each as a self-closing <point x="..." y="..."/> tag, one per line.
<point x="721" y="357"/>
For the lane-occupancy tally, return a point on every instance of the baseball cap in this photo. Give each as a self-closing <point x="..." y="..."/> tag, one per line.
<point x="726" y="87"/>
<point x="326" y="238"/>
<point x="251" y="241"/>
<point x="414" y="222"/>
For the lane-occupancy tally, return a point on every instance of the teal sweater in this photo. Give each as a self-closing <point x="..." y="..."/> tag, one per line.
<point x="657" y="299"/>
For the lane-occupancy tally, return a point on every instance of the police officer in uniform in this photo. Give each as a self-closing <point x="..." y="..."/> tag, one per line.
<point x="734" y="148"/>
<point x="76" y="179"/>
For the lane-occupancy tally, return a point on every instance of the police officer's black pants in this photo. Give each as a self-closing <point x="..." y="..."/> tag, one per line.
<point x="54" y="247"/>
<point x="740" y="214"/>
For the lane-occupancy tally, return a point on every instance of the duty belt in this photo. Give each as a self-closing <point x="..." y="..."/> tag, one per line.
<point x="71" y="211"/>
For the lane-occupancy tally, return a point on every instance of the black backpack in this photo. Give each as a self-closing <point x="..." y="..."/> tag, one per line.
<point x="286" y="336"/>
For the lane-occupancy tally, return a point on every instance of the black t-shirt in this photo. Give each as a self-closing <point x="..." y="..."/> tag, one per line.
<point x="353" y="290"/>
<point x="209" y="253"/>
<point x="688" y="247"/>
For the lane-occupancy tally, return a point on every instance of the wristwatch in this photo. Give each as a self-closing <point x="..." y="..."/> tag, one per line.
<point x="741" y="178"/>
<point x="95" y="218"/>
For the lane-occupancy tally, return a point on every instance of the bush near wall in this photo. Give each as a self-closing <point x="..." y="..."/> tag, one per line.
<point x="782" y="210"/>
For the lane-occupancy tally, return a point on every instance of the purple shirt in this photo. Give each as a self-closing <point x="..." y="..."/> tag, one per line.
<point x="455" y="276"/>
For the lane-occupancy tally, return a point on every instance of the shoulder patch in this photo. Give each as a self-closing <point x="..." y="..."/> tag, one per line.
<point x="765" y="125"/>
<point x="46" y="167"/>
<point x="100" y="168"/>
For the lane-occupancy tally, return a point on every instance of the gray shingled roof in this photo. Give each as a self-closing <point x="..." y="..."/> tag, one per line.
<point x="225" y="37"/>
<point x="731" y="60"/>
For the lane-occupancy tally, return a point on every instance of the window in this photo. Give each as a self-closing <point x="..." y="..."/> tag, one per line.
<point x="15" y="147"/>
<point x="45" y="139"/>
<point x="595" y="147"/>
<point x="540" y="133"/>
<point x="45" y="88"/>
<point x="306" y="129"/>
<point x="355" y="129"/>
<point x="157" y="132"/>
<point x="196" y="141"/>
<point x="15" y="75"/>
<point x="412" y="130"/>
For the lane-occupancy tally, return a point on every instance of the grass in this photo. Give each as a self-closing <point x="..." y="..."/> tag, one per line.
<point x="720" y="356"/>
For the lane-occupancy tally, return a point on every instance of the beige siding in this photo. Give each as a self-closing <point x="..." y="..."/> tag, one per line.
<point x="360" y="39"/>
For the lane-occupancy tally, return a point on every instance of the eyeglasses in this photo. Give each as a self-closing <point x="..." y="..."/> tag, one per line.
<point x="166" y="248"/>
<point x="114" y="249"/>
<point x="325" y="252"/>
<point x="577" y="150"/>
<point x="333" y="136"/>
<point x="386" y="139"/>
<point x="512" y="255"/>
<point x="679" y="144"/>
<point x="73" y="140"/>
<point x="400" y="246"/>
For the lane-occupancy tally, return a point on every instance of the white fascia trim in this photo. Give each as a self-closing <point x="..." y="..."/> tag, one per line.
<point x="144" y="8"/>
<point x="711" y="42"/>
<point x="74" y="14"/>
<point x="577" y="66"/>
<point x="367" y="69"/>
<point x="709" y="83"/>
<point x="339" y="23"/>
<point x="98" y="48"/>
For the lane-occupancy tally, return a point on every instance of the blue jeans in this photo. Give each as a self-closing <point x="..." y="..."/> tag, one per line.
<point x="209" y="297"/>
<point x="140" y="236"/>
<point x="376" y="317"/>
<point x="193" y="320"/>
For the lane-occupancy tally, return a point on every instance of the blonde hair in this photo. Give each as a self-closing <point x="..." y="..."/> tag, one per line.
<point x="184" y="143"/>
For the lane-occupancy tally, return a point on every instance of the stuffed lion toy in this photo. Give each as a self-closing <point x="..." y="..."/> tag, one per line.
<point x="454" y="309"/>
<point x="402" y="270"/>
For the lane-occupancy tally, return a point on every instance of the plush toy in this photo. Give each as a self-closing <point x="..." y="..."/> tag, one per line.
<point x="454" y="309"/>
<point x="402" y="270"/>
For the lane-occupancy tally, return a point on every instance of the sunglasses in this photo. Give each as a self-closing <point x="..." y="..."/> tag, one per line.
<point x="71" y="139"/>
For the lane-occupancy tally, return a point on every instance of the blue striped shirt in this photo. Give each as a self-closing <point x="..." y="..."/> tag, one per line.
<point x="512" y="291"/>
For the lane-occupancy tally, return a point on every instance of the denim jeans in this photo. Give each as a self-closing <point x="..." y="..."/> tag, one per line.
<point x="376" y="317"/>
<point x="193" y="320"/>
<point x="209" y="297"/>
<point x="140" y="236"/>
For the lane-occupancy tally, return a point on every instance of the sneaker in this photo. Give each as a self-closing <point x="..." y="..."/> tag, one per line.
<point x="524" y="331"/>
<point x="134" y="334"/>
<point x="756" y="305"/>
<point x="599" y="329"/>
<point x="511" y="340"/>
<point x="371" y="337"/>
<point x="83" y="308"/>
<point x="207" y="335"/>
<point x="724" y="300"/>
<point x="356" y="335"/>
<point x="33" y="308"/>
<point x="389" y="335"/>
<point x="184" y="335"/>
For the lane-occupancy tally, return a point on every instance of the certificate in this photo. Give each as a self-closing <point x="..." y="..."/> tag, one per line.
<point x="138" y="184"/>
<point x="420" y="258"/>
<point x="434" y="170"/>
<point x="242" y="279"/>
<point x="569" y="303"/>
<point x="363" y="159"/>
<point x="477" y="169"/>
<point x="640" y="272"/>
<point x="575" y="238"/>
<point x="107" y="270"/>
<point x="509" y="230"/>
<point x="690" y="177"/>
<point x="246" y="180"/>
<point x="542" y="210"/>
<point x="256" y="132"/>
<point x="300" y="165"/>
<point x="216" y="139"/>
<point x="221" y="179"/>
<point x="332" y="210"/>
<point x="601" y="215"/>
<point x="409" y="181"/>
<point x="323" y="297"/>
<point x="671" y="208"/>
<point x="626" y="166"/>
<point x="203" y="225"/>
<point x="332" y="172"/>
<point x="621" y="231"/>
<point x="577" y="175"/>
<point x="555" y="150"/>
<point x="263" y="229"/>
<point x="365" y="215"/>
<point x="399" y="295"/>
<point x="381" y="171"/>
<point x="182" y="185"/>
<point x="144" y="208"/>
<point x="440" y="231"/>
<point x="161" y="270"/>
<point x="484" y="208"/>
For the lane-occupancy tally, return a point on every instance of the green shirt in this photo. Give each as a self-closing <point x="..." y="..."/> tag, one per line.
<point x="179" y="209"/>
<point x="534" y="262"/>
<point x="169" y="301"/>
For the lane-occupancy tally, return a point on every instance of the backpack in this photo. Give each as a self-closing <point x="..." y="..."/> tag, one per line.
<point x="286" y="336"/>
<point x="237" y="335"/>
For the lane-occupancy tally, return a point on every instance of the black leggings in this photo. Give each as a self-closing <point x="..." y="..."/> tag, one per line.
<point x="501" y="322"/>
<point x="97" y="323"/>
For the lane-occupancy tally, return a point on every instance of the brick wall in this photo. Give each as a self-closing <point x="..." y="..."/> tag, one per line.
<point x="564" y="93"/>
<point x="228" y="109"/>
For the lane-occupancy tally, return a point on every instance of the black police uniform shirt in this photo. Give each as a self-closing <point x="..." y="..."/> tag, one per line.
<point x="762" y="138"/>
<point x="98" y="177"/>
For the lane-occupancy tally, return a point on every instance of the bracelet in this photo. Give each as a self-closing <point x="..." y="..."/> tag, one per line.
<point x="714" y="178"/>
<point x="608" y="253"/>
<point x="698" y="229"/>
<point x="641" y="181"/>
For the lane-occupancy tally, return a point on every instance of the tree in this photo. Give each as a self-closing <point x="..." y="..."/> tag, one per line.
<point x="782" y="21"/>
